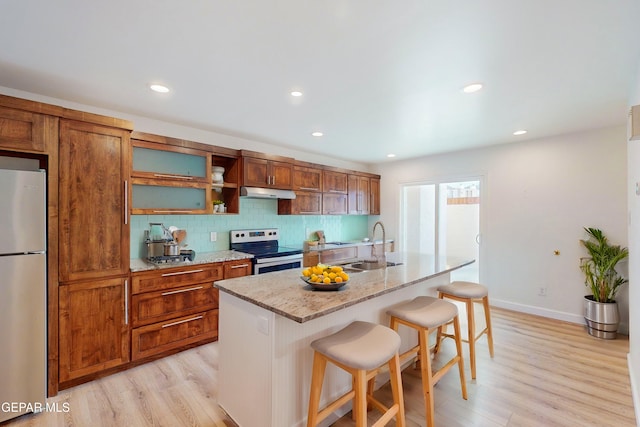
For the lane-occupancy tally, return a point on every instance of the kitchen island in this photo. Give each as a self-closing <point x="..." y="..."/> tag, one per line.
<point x="268" y="321"/>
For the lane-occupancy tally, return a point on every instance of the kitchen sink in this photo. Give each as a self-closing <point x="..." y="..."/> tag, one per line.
<point x="372" y="265"/>
<point x="336" y="243"/>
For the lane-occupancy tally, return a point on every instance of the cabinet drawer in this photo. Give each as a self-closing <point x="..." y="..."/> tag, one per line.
<point x="165" y="336"/>
<point x="163" y="305"/>
<point x="175" y="277"/>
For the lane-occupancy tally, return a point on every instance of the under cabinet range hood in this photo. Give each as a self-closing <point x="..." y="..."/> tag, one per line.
<point x="266" y="193"/>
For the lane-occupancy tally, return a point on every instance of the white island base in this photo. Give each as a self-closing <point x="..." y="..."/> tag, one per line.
<point x="266" y="360"/>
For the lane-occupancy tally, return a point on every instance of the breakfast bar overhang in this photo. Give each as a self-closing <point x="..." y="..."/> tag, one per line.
<point x="268" y="321"/>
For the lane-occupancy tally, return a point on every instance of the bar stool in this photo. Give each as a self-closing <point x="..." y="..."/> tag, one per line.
<point x="362" y="349"/>
<point x="426" y="314"/>
<point x="469" y="293"/>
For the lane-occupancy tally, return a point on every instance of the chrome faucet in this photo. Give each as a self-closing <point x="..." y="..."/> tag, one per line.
<point x="379" y="260"/>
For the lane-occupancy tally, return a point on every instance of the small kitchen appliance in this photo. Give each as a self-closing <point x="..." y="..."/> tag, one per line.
<point x="163" y="245"/>
<point x="268" y="254"/>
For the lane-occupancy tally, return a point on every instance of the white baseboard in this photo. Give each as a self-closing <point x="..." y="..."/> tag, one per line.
<point x="544" y="312"/>
<point x="552" y="314"/>
<point x="635" y="392"/>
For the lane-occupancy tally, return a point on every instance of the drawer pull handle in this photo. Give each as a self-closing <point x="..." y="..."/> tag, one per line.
<point x="181" y="291"/>
<point x="182" y="321"/>
<point x="240" y="266"/>
<point x="179" y="273"/>
<point x="162" y="175"/>
<point x="310" y="188"/>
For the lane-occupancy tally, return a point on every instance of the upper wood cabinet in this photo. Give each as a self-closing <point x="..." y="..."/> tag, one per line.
<point x="229" y="190"/>
<point x="169" y="179"/>
<point x="307" y="178"/>
<point x="261" y="170"/>
<point x="93" y="201"/>
<point x="374" y="196"/>
<point x="26" y="131"/>
<point x="359" y="196"/>
<point x="334" y="182"/>
<point x="307" y="184"/>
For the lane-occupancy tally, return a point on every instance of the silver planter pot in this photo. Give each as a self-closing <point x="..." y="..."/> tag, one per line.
<point x="602" y="318"/>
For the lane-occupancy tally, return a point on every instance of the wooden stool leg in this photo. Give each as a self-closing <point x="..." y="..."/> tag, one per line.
<point x="427" y="380"/>
<point x="463" y="383"/>
<point x="317" y="378"/>
<point x="487" y="316"/>
<point x="472" y="336"/>
<point x="396" y="389"/>
<point x="440" y="329"/>
<point x="360" y="399"/>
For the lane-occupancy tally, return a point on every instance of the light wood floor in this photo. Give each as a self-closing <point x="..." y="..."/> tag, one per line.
<point x="545" y="373"/>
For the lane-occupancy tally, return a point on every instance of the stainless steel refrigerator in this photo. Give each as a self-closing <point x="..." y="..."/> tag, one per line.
<point x="23" y="266"/>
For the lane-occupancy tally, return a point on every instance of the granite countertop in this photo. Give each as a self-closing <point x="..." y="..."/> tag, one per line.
<point x="284" y="293"/>
<point x="141" y="264"/>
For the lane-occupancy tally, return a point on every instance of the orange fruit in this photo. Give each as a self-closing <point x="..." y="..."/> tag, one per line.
<point x="326" y="281"/>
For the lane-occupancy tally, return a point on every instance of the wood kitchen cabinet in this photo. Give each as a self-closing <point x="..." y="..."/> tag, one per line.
<point x="374" y="196"/>
<point x="334" y="193"/>
<point x="173" y="309"/>
<point x="261" y="170"/>
<point x="229" y="191"/>
<point x="237" y="268"/>
<point x="307" y="184"/>
<point x="167" y="178"/>
<point x="335" y="182"/>
<point x="94" y="334"/>
<point x="93" y="201"/>
<point x="358" y="202"/>
<point x="26" y="131"/>
<point x="93" y="262"/>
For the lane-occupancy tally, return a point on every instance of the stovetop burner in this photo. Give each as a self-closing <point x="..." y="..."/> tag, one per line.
<point x="168" y="259"/>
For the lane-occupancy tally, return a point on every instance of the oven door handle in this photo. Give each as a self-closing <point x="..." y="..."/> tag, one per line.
<point x="277" y="259"/>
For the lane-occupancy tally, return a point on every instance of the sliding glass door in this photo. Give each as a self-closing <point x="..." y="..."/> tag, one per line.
<point x="443" y="218"/>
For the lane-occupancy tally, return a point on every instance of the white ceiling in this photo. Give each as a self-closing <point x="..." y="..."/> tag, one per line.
<point x="377" y="76"/>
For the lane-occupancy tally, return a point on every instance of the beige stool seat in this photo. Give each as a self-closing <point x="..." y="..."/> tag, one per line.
<point x="362" y="349"/>
<point x="469" y="293"/>
<point x="426" y="314"/>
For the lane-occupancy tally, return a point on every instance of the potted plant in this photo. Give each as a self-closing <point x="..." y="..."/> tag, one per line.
<point x="602" y="279"/>
<point x="218" y="206"/>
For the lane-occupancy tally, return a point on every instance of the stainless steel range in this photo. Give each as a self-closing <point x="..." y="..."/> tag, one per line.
<point x="263" y="245"/>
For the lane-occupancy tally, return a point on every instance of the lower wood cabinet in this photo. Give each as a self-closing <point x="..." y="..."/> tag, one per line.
<point x="176" y="308"/>
<point x="173" y="308"/>
<point x="93" y="327"/>
<point x="170" y="335"/>
<point x="237" y="268"/>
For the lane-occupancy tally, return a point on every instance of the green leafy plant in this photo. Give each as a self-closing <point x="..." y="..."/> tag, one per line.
<point x="218" y="202"/>
<point x="599" y="267"/>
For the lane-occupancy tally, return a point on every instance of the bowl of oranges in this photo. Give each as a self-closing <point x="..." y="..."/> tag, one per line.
<point x="324" y="277"/>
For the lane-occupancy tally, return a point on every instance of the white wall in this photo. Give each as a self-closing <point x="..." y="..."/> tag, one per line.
<point x="536" y="198"/>
<point x="633" y="157"/>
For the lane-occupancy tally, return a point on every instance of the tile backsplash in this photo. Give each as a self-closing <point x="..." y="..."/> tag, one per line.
<point x="254" y="213"/>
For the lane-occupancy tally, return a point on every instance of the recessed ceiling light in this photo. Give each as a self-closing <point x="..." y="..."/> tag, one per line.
<point x="391" y="155"/>
<point x="159" y="88"/>
<point x="296" y="93"/>
<point x="317" y="134"/>
<point x="472" y="88"/>
<point x="520" y="132"/>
